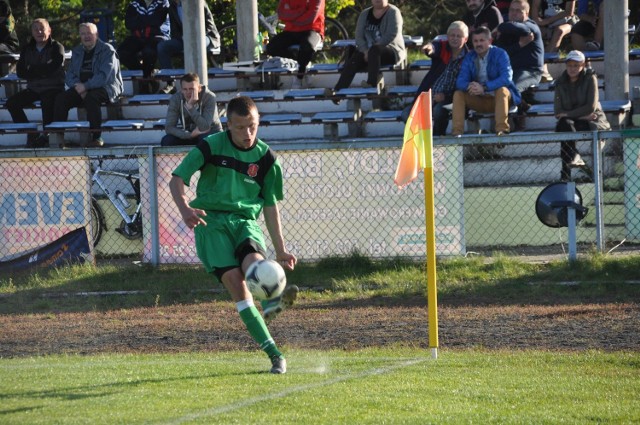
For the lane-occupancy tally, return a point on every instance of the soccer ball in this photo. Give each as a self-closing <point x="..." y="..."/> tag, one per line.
<point x="265" y="279"/>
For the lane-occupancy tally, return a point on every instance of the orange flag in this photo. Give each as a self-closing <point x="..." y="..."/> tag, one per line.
<point x="417" y="149"/>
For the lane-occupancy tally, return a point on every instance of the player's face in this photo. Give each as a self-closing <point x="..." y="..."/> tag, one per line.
<point x="481" y="44"/>
<point x="517" y="12"/>
<point x="456" y="38"/>
<point x="40" y="32"/>
<point x="244" y="129"/>
<point x="574" y="68"/>
<point x="88" y="38"/>
<point x="475" y="6"/>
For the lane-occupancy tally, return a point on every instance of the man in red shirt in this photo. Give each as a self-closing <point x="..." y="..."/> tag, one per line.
<point x="303" y="26"/>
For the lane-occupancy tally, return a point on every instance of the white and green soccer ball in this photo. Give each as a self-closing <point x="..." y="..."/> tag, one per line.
<point x="265" y="279"/>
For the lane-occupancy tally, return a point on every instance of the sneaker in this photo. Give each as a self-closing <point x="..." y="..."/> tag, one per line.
<point x="278" y="304"/>
<point x="546" y="77"/>
<point x="278" y="365"/>
<point x="96" y="143"/>
<point x="577" y="161"/>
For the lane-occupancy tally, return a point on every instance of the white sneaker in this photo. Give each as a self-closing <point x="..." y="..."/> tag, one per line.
<point x="278" y="365"/>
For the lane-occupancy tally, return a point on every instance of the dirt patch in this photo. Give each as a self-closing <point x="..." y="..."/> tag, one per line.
<point x="356" y="324"/>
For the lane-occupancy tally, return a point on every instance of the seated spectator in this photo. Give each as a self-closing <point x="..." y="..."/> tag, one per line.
<point x="520" y="37"/>
<point x="503" y="7"/>
<point x="175" y="46"/>
<point x="379" y="41"/>
<point x="148" y="22"/>
<point x="192" y="114"/>
<point x="484" y="84"/>
<point x="555" y="19"/>
<point x="303" y="26"/>
<point x="577" y="108"/>
<point x="41" y="64"/>
<point x="588" y="34"/>
<point x="8" y="38"/>
<point x="93" y="78"/>
<point x="446" y="58"/>
<point x="482" y="13"/>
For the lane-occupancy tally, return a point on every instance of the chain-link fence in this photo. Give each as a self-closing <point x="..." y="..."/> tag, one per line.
<point x="338" y="199"/>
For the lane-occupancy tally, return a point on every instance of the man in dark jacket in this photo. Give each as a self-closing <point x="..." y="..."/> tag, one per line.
<point x="482" y="13"/>
<point x="521" y="38"/>
<point x="41" y="64"/>
<point x="174" y="46"/>
<point x="148" y="23"/>
<point x="8" y="38"/>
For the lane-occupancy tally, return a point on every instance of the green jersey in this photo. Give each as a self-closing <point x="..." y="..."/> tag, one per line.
<point x="232" y="179"/>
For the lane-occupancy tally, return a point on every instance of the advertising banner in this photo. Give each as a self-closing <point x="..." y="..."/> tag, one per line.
<point x="71" y="248"/>
<point x="336" y="202"/>
<point x="41" y="200"/>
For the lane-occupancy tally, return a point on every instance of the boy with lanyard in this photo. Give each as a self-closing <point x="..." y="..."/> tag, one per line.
<point x="240" y="177"/>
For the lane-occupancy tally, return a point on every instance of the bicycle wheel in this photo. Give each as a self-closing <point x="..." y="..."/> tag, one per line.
<point x="229" y="43"/>
<point x="96" y="222"/>
<point x="333" y="30"/>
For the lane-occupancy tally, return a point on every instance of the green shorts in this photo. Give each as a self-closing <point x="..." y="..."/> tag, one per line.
<point x="216" y="243"/>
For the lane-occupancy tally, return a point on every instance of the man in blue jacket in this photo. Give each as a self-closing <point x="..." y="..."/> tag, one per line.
<point x="484" y="84"/>
<point x="93" y="78"/>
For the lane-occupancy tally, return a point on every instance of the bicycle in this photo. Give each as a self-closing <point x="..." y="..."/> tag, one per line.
<point x="333" y="30"/>
<point x="131" y="224"/>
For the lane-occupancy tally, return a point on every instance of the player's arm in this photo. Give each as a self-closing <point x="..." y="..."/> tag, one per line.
<point x="191" y="216"/>
<point x="272" y="220"/>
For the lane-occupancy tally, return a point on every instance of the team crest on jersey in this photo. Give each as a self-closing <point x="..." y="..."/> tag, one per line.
<point x="252" y="171"/>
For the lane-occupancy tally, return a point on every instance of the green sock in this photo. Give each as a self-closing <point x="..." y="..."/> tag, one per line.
<point x="258" y="330"/>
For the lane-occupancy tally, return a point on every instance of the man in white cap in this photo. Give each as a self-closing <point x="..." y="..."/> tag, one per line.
<point x="577" y="108"/>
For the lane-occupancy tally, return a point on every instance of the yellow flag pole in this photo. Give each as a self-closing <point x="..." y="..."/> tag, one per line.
<point x="430" y="224"/>
<point x="432" y="293"/>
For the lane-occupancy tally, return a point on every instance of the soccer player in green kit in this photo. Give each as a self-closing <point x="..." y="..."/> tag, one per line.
<point x="239" y="177"/>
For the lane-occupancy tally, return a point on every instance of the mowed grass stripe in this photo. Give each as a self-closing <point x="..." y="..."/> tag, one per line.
<point x="289" y="391"/>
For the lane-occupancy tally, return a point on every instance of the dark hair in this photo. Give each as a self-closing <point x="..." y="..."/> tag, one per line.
<point x="241" y="106"/>
<point x="190" y="77"/>
<point x="482" y="30"/>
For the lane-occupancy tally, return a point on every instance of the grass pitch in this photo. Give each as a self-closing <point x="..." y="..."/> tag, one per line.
<point x="394" y="386"/>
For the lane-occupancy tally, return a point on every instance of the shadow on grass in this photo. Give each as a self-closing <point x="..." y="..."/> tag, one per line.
<point x="332" y="282"/>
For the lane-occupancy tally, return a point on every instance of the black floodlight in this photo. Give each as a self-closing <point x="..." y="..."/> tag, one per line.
<point x="552" y="205"/>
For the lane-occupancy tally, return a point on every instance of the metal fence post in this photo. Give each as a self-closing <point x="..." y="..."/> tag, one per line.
<point x="598" y="183"/>
<point x="153" y="208"/>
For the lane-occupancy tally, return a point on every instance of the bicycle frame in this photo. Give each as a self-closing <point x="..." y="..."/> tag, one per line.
<point x="133" y="179"/>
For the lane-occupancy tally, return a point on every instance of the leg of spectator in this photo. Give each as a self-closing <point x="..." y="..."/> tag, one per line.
<point x="502" y="98"/>
<point x="149" y="56"/>
<point x="559" y="33"/>
<point x="171" y="140"/>
<point x="567" y="148"/>
<point x="93" y="104"/>
<point x="353" y="65"/>
<point x="279" y="44"/>
<point x="48" y="105"/>
<point x="378" y="56"/>
<point x="167" y="49"/>
<point x="64" y="102"/>
<point x="16" y="104"/>
<point x="307" y="49"/>
<point x="458" y="113"/>
<point x="128" y="52"/>
<point x="440" y="118"/>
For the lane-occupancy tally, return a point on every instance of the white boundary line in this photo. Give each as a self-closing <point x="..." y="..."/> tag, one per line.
<point x="300" y="388"/>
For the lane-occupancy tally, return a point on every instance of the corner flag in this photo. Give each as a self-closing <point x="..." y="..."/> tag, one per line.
<point x="417" y="154"/>
<point x="418" y="142"/>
